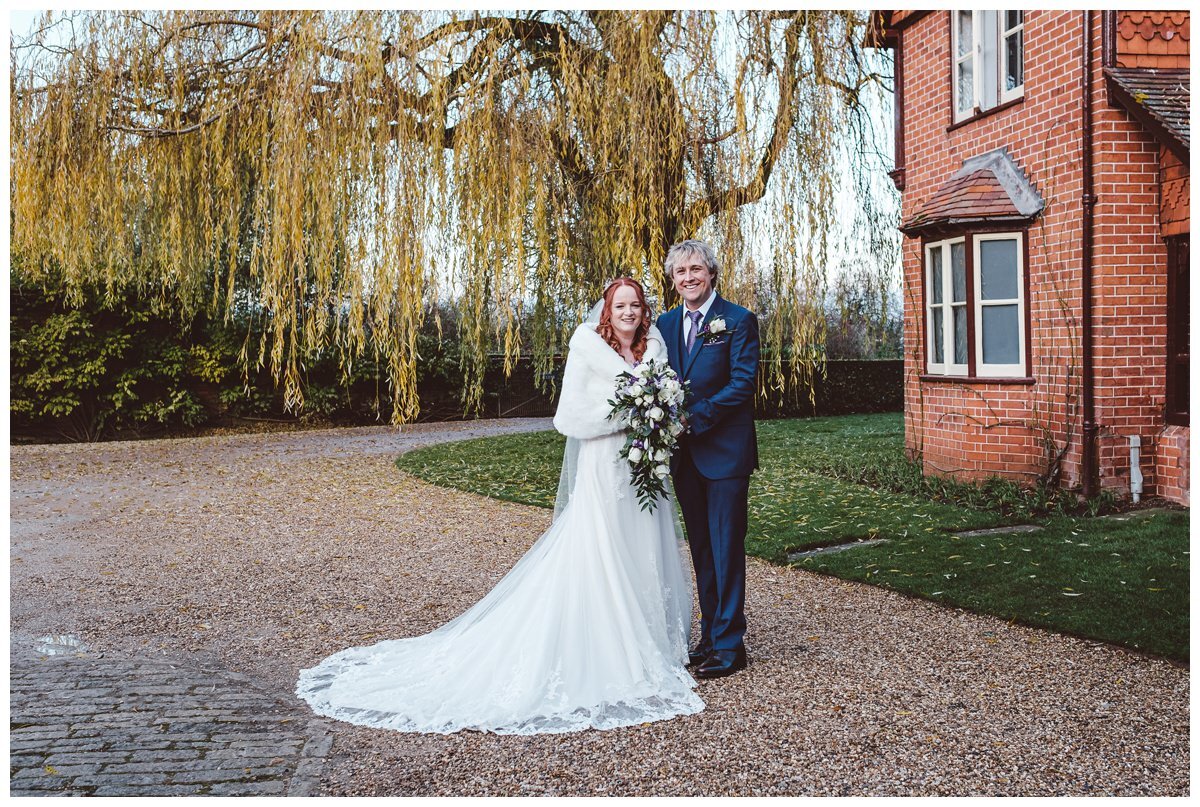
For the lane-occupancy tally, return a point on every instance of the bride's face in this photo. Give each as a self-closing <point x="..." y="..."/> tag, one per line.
<point x="626" y="311"/>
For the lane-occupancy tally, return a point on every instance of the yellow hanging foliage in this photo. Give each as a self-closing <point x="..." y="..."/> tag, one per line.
<point x="336" y="172"/>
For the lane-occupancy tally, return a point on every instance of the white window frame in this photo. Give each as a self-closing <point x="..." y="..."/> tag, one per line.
<point x="987" y="53"/>
<point x="947" y="367"/>
<point x="1005" y="35"/>
<point x="998" y="370"/>
<point x="957" y="61"/>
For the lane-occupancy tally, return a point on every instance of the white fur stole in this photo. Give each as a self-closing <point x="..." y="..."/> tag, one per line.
<point x="590" y="380"/>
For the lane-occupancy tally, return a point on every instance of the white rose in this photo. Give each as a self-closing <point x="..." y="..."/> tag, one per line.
<point x="716" y="326"/>
<point x="655" y="414"/>
<point x="635" y="454"/>
<point x="637" y="390"/>
<point x="661" y="470"/>
<point x="661" y="454"/>
<point x="643" y="370"/>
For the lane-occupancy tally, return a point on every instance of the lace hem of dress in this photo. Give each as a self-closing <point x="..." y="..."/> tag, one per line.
<point x="602" y="716"/>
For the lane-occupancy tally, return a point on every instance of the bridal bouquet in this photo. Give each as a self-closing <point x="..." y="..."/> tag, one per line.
<point x="649" y="400"/>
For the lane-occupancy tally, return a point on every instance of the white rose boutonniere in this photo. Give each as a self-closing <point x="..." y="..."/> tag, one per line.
<point x="712" y="328"/>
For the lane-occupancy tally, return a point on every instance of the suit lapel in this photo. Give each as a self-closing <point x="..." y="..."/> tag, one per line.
<point x="714" y="311"/>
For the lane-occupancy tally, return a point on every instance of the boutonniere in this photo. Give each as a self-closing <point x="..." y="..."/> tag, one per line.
<point x="712" y="328"/>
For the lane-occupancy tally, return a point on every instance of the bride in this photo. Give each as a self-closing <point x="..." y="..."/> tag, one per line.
<point x="589" y="629"/>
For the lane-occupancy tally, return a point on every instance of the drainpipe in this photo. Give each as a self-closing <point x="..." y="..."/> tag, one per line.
<point x="1090" y="427"/>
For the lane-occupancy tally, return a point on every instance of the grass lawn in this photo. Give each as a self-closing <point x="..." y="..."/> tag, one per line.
<point x="825" y="481"/>
<point x="1119" y="581"/>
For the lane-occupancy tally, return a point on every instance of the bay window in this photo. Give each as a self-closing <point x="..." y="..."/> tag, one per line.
<point x="975" y="306"/>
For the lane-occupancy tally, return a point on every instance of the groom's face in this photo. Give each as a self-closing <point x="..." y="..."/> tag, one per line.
<point x="692" y="280"/>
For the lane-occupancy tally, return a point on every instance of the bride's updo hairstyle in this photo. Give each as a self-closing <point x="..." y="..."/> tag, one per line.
<point x="605" y="328"/>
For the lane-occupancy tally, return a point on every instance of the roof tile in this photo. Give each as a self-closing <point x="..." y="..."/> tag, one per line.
<point x="988" y="186"/>
<point x="1159" y="97"/>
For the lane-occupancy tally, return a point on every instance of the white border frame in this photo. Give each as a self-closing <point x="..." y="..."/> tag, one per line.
<point x="1019" y="90"/>
<point x="956" y="60"/>
<point x="976" y="57"/>
<point x="999" y="370"/>
<point x="948" y="367"/>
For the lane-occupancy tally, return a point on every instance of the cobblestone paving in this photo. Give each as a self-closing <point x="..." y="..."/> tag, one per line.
<point x="84" y="724"/>
<point x="149" y="709"/>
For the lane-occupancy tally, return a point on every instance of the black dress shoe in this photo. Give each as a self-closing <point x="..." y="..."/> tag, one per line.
<point x="722" y="663"/>
<point x="699" y="655"/>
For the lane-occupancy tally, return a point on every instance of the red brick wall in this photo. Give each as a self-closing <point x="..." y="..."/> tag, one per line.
<point x="981" y="428"/>
<point x="1130" y="286"/>
<point x="1172" y="464"/>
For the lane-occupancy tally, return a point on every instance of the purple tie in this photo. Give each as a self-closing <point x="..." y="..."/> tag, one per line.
<point x="694" y="316"/>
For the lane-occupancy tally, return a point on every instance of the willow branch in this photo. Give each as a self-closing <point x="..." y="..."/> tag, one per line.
<point x="753" y="190"/>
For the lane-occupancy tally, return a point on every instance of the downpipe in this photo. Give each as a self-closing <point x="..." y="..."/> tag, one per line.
<point x="1090" y="427"/>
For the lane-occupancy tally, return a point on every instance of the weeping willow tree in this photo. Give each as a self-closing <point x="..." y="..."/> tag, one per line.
<point x="336" y="172"/>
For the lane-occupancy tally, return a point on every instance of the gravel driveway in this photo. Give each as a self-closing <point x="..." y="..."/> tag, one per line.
<point x="263" y="553"/>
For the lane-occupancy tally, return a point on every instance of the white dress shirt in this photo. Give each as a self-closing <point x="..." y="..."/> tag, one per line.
<point x="703" y="309"/>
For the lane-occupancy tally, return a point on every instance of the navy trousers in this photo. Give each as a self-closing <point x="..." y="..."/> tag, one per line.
<point x="714" y="511"/>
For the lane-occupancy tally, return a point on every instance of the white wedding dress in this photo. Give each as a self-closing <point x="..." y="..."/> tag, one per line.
<point x="588" y="630"/>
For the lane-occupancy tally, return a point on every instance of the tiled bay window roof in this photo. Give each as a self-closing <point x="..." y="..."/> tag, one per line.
<point x="988" y="189"/>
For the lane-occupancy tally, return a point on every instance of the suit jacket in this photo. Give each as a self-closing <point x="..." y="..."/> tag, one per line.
<point x="722" y="374"/>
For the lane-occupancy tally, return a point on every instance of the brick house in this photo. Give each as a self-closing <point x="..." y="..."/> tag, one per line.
<point x="1043" y="161"/>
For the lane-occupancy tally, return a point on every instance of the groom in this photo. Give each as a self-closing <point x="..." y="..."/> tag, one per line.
<point x="713" y="344"/>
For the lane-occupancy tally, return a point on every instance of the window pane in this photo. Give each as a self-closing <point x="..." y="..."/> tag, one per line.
<point x="965" y="37"/>
<point x="1014" y="61"/>
<point x="958" y="269"/>
<point x="966" y="87"/>
<point x="935" y="274"/>
<point x="1012" y="19"/>
<point x="998" y="269"/>
<point x="938" y="337"/>
<point x="1000" y="335"/>
<point x="960" y="334"/>
<point x="989" y="68"/>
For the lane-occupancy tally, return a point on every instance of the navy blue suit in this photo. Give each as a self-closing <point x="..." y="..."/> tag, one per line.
<point x="712" y="467"/>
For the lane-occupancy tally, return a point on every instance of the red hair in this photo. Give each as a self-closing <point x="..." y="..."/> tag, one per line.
<point x="605" y="329"/>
